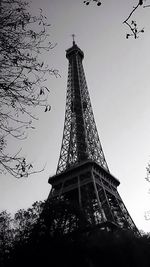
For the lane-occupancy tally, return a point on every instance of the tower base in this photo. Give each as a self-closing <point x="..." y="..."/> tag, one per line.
<point x="86" y="195"/>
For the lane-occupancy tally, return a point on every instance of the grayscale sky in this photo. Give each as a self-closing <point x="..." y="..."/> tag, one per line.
<point x="117" y="74"/>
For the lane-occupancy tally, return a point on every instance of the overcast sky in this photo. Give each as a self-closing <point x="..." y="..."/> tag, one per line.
<point x="117" y="74"/>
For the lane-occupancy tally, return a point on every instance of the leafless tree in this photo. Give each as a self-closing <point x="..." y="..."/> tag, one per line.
<point x="134" y="30"/>
<point x="23" y="37"/>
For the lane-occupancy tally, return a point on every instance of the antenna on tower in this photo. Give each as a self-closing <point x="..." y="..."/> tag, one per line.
<point x="73" y="37"/>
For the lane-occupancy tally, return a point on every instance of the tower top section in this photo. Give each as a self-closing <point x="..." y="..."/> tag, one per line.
<point x="80" y="138"/>
<point x="74" y="50"/>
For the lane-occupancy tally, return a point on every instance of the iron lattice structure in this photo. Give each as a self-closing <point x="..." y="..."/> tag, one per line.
<point x="83" y="181"/>
<point x="88" y="188"/>
<point x="80" y="138"/>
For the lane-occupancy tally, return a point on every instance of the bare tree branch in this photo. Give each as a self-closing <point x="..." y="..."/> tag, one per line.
<point x="23" y="37"/>
<point x="133" y="25"/>
<point x="87" y="2"/>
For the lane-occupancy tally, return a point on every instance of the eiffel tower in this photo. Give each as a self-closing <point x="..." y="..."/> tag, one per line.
<point x="83" y="178"/>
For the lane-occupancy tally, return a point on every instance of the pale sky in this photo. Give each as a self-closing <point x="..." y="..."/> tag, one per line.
<point x="117" y="74"/>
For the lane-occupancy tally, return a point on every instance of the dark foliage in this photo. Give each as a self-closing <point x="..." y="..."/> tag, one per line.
<point x="99" y="248"/>
<point x="36" y="246"/>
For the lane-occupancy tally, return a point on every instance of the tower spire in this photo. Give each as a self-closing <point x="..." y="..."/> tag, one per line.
<point x="73" y="37"/>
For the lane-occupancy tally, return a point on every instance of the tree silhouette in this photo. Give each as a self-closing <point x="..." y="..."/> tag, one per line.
<point x="27" y="240"/>
<point x="6" y="237"/>
<point x="25" y="220"/>
<point x="134" y="31"/>
<point x="23" y="37"/>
